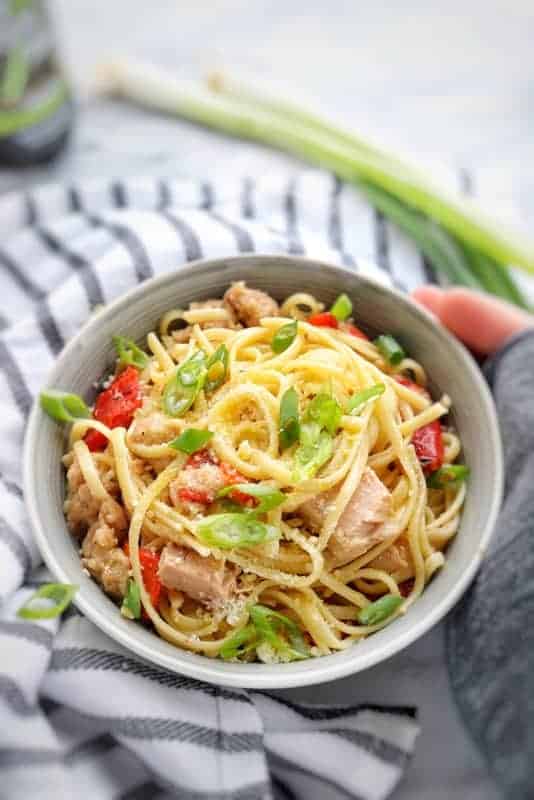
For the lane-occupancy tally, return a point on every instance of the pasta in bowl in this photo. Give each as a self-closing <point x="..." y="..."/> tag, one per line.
<point x="88" y="366"/>
<point x="260" y="481"/>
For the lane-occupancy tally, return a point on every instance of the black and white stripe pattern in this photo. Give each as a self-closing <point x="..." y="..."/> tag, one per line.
<point x="79" y="715"/>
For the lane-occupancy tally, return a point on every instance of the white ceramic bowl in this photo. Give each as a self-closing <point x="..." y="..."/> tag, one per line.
<point x="376" y="309"/>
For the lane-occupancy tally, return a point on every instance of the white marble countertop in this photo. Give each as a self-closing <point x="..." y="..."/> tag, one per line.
<point x="445" y="81"/>
<point x="450" y="82"/>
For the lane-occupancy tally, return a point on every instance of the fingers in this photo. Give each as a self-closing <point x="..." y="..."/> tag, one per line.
<point x="482" y="322"/>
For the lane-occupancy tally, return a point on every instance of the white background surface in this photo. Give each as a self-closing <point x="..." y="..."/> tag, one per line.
<point x="448" y="81"/>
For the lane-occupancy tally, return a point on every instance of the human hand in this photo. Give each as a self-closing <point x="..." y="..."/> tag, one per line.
<point x="480" y="321"/>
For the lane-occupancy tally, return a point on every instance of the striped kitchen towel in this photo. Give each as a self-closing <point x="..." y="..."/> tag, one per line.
<point x="79" y="715"/>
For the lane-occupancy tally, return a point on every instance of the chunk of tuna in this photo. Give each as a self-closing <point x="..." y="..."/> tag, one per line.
<point x="151" y="428"/>
<point x="101" y="555"/>
<point x="396" y="560"/>
<point x="81" y="507"/>
<point x="203" y="579"/>
<point x="250" y="305"/>
<point x="360" y="526"/>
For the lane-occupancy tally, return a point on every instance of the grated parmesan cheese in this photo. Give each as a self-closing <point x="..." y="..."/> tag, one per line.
<point x="268" y="654"/>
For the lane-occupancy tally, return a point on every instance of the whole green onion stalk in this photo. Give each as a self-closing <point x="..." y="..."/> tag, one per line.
<point x="460" y="263"/>
<point x="244" y="112"/>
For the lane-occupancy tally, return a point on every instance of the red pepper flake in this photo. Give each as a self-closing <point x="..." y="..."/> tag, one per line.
<point x="324" y="319"/>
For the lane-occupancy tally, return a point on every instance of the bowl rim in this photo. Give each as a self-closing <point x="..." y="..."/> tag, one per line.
<point x="326" y="668"/>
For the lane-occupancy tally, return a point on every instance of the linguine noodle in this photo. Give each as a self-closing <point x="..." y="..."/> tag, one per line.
<point x="134" y="488"/>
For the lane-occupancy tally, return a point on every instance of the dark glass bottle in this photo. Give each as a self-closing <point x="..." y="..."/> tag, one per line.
<point x="36" y="108"/>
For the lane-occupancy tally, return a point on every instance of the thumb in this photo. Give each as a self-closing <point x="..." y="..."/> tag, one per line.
<point x="482" y="322"/>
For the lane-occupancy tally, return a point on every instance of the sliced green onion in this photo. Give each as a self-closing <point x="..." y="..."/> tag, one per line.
<point x="228" y="506"/>
<point x="390" y="349"/>
<point x="281" y="632"/>
<point x="342" y="308"/>
<point x="284" y="336"/>
<point x="309" y="434"/>
<point x="183" y="388"/>
<point x="217" y="368"/>
<point x="269" y="498"/>
<point x="239" y="644"/>
<point x="321" y="421"/>
<point x="314" y="451"/>
<point x="131" y="605"/>
<point x="63" y="406"/>
<point x="191" y="440"/>
<point x="235" y="530"/>
<point x="325" y="411"/>
<point x="449" y="475"/>
<point x="60" y="594"/>
<point x="129" y="353"/>
<point x="288" y="424"/>
<point x="360" y="399"/>
<point x="190" y="370"/>
<point x="380" y="610"/>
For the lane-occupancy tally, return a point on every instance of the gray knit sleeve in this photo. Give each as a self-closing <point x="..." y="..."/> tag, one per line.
<point x="511" y="377"/>
<point x="491" y="632"/>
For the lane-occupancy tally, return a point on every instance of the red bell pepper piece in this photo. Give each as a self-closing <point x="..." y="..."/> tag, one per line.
<point x="429" y="447"/>
<point x="149" y="570"/>
<point x="149" y="567"/>
<point x="200" y="458"/>
<point x="115" y="406"/>
<point x="95" y="441"/>
<point x="201" y="496"/>
<point x="348" y="327"/>
<point x="196" y="496"/>
<point x="229" y="475"/>
<point x="324" y="319"/>
<point x="232" y="475"/>
<point x="428" y="440"/>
